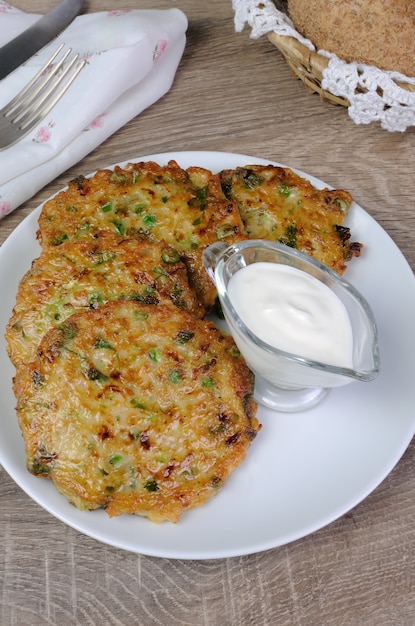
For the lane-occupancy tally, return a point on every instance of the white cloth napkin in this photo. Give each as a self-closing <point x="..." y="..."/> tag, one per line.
<point x="132" y="57"/>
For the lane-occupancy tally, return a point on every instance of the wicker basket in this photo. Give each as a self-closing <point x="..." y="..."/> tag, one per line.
<point x="309" y="66"/>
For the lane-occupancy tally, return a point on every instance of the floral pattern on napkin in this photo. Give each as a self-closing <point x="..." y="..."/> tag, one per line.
<point x="132" y="58"/>
<point x="5" y="6"/>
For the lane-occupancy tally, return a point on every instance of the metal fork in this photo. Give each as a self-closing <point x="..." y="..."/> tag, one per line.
<point x="37" y="98"/>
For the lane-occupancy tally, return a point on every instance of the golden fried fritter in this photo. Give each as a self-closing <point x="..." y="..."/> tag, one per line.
<point x="155" y="411"/>
<point x="84" y="274"/>
<point x="185" y="208"/>
<point x="278" y="205"/>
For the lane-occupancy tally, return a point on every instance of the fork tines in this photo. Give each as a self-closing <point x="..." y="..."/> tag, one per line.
<point x="38" y="97"/>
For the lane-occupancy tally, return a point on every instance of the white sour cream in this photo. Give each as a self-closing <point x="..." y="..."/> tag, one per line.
<point x="293" y="311"/>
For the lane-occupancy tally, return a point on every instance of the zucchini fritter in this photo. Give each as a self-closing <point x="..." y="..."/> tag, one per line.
<point x="185" y="208"/>
<point x="155" y="412"/>
<point x="127" y="400"/>
<point x="85" y="274"/>
<point x="277" y="204"/>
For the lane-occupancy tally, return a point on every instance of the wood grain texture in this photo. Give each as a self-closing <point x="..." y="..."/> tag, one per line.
<point x="234" y="94"/>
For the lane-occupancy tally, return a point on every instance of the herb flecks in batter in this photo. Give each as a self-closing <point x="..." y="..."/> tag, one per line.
<point x="277" y="204"/>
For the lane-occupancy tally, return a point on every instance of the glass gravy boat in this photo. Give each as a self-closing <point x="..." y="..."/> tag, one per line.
<point x="284" y="381"/>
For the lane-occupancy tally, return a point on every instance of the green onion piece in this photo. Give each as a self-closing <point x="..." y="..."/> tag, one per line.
<point x="343" y="206"/>
<point x="155" y="355"/>
<point x="140" y="315"/>
<point x="290" y="237"/>
<point x="251" y="179"/>
<point x="93" y="374"/>
<point x="118" y="177"/>
<point x="208" y="382"/>
<point x="149" y="221"/>
<point x="69" y="330"/>
<point x="137" y="404"/>
<point x="202" y="195"/>
<point x="105" y="256"/>
<point x="170" y="256"/>
<point x="102" y="343"/>
<point x="175" y="376"/>
<point x="225" y="230"/>
<point x="284" y="190"/>
<point x="58" y="239"/>
<point x="151" y="485"/>
<point x="119" y="226"/>
<point x="105" y="208"/>
<point x="115" y="459"/>
<point x="183" y="336"/>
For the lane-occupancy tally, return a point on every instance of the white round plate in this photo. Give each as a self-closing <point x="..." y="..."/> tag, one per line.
<point x="303" y="470"/>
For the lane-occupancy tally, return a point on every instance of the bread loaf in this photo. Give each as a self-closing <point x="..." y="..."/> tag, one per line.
<point x="375" y="32"/>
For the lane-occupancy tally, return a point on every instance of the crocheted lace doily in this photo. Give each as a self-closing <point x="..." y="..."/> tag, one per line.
<point x="373" y="93"/>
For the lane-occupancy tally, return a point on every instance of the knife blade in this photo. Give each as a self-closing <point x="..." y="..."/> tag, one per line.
<point x="25" y="45"/>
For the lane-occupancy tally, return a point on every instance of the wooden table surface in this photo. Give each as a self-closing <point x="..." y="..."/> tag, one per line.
<point x="233" y="94"/>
